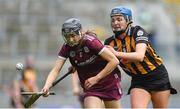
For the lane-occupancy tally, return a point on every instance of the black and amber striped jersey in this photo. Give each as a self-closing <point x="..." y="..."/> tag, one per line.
<point x="134" y="36"/>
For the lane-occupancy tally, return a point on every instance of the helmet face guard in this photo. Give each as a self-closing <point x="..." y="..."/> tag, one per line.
<point x="67" y="38"/>
<point x="71" y="27"/>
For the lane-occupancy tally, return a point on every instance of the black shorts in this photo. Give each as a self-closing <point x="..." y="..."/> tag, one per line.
<point x="157" y="80"/>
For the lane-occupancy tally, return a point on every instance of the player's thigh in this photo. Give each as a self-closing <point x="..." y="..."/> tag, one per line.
<point x="93" y="102"/>
<point x="112" y="104"/>
<point x="140" y="98"/>
<point x="160" y="99"/>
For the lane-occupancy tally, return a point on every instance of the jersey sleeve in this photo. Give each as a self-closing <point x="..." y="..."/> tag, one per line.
<point x="141" y="36"/>
<point x="63" y="52"/>
<point x="106" y="42"/>
<point x="96" y="46"/>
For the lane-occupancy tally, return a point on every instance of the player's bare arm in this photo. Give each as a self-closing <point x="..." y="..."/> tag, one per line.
<point x="52" y="75"/>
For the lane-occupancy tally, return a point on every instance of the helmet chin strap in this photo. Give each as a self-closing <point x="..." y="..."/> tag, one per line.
<point x="118" y="33"/>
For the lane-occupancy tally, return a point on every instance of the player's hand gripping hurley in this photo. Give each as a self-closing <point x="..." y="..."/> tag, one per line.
<point x="36" y="95"/>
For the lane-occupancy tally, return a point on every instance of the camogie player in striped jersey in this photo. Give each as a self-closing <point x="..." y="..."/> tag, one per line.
<point x="138" y="59"/>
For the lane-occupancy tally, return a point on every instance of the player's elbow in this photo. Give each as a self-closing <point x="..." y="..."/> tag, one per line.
<point x="140" y="57"/>
<point x="115" y="61"/>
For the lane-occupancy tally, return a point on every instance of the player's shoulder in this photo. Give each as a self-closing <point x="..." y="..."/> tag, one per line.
<point x="64" y="47"/>
<point x="135" y="30"/>
<point x="108" y="40"/>
<point x="89" y="37"/>
<point x="91" y="41"/>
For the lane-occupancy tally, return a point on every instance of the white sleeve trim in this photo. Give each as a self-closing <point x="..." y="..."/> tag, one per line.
<point x="63" y="58"/>
<point x="101" y="51"/>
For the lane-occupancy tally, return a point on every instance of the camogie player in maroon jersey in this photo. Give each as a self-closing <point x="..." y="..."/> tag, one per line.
<point x="95" y="64"/>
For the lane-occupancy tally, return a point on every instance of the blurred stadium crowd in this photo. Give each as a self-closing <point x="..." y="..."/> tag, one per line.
<point x="32" y="27"/>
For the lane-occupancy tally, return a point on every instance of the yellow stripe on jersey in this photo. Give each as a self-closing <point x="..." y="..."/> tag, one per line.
<point x="151" y="66"/>
<point x="119" y="44"/>
<point x="128" y="66"/>
<point x="152" y="52"/>
<point x="128" y="46"/>
<point x="133" y="43"/>
<point x="111" y="44"/>
<point x="136" y="65"/>
<point x="151" y="59"/>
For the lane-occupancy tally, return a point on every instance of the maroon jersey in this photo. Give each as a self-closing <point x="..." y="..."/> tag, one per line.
<point x="88" y="62"/>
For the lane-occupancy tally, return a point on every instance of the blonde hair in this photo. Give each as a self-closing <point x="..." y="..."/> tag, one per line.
<point x="91" y="33"/>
